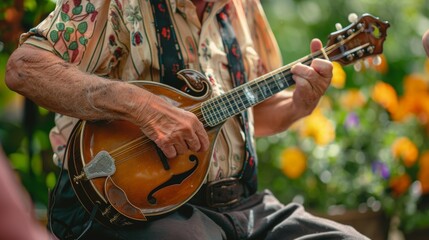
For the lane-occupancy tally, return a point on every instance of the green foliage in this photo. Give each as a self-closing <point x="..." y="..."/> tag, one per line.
<point x="25" y="141"/>
<point x="342" y="172"/>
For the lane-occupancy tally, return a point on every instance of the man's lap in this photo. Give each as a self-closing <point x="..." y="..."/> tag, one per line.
<point x="260" y="216"/>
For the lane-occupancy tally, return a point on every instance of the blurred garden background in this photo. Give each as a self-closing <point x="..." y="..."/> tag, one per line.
<point x="363" y="152"/>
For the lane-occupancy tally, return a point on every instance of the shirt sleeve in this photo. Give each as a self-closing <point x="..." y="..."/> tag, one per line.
<point x="263" y="38"/>
<point x="71" y="30"/>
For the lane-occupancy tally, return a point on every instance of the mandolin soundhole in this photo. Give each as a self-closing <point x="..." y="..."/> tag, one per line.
<point x="175" y="179"/>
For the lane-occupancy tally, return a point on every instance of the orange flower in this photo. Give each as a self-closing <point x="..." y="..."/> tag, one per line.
<point x="352" y="99"/>
<point x="385" y="95"/>
<point x="416" y="104"/>
<point x="415" y="84"/>
<point x="406" y="150"/>
<point x="400" y="184"/>
<point x="317" y="126"/>
<point x="406" y="106"/>
<point x="293" y="162"/>
<point x="338" y="76"/>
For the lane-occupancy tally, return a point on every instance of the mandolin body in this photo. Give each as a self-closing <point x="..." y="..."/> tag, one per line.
<point x="144" y="183"/>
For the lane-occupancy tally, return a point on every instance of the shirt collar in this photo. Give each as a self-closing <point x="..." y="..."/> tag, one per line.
<point x="180" y="5"/>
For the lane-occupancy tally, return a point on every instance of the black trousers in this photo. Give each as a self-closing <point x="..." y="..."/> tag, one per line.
<point x="260" y="216"/>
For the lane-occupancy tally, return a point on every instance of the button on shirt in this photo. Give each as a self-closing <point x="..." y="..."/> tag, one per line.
<point x="117" y="40"/>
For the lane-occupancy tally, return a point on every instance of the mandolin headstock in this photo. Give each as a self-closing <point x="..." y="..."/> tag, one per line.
<point x="361" y="39"/>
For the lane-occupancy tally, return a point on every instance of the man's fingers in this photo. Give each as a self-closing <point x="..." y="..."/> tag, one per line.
<point x="169" y="151"/>
<point x="193" y="143"/>
<point x="316" y="45"/>
<point x="204" y="140"/>
<point x="322" y="67"/>
<point x="181" y="148"/>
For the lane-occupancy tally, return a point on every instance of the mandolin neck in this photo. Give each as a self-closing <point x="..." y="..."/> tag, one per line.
<point x="362" y="39"/>
<point x="218" y="109"/>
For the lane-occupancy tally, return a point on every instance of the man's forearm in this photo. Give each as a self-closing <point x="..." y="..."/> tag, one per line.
<point x="61" y="87"/>
<point x="276" y="114"/>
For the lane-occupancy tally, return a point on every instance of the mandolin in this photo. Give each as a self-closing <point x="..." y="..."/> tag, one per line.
<point x="122" y="178"/>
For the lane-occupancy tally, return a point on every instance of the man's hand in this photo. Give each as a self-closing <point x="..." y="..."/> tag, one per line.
<point x="311" y="81"/>
<point x="174" y="130"/>
<point x="425" y="41"/>
<point x="276" y="114"/>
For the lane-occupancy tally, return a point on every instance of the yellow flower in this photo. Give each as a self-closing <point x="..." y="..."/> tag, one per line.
<point x="317" y="126"/>
<point x="423" y="174"/>
<point x="352" y="99"/>
<point x="293" y="162"/>
<point x="385" y="95"/>
<point x="338" y="76"/>
<point x="406" y="150"/>
<point x="400" y="184"/>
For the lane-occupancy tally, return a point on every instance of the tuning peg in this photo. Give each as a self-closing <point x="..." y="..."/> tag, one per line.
<point x="353" y="18"/>
<point x="358" y="66"/>
<point x="338" y="26"/>
<point x="376" y="60"/>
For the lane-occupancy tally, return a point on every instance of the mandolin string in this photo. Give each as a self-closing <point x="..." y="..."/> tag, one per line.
<point x="210" y="105"/>
<point x="135" y="144"/>
<point x="269" y="77"/>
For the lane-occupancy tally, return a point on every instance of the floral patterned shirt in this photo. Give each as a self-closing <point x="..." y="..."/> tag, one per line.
<point x="117" y="39"/>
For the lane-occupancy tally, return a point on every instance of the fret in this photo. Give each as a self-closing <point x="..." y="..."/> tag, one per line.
<point x="267" y="88"/>
<point x="224" y="108"/>
<point x="215" y="111"/>
<point x="206" y="113"/>
<point x="272" y="86"/>
<point x="232" y="99"/>
<point x="241" y="100"/>
<point x="276" y="78"/>
<point x="250" y="96"/>
<point x="279" y="79"/>
<point x="260" y="90"/>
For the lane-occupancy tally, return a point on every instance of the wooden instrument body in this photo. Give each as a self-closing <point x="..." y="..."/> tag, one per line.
<point x="141" y="187"/>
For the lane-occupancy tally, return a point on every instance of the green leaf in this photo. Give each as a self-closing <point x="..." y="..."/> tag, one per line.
<point x="67" y="36"/>
<point x="51" y="179"/>
<point x="69" y="30"/>
<point x="83" y="40"/>
<point x="54" y="36"/>
<point x="90" y="8"/>
<point x="77" y="10"/>
<point x="19" y="162"/>
<point x="66" y="56"/>
<point x="73" y="45"/>
<point x="82" y="27"/>
<point x="65" y="17"/>
<point x="60" y="26"/>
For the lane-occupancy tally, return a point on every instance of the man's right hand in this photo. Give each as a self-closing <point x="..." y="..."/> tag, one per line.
<point x="173" y="130"/>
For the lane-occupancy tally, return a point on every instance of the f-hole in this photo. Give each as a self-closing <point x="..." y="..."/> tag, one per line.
<point x="175" y="179"/>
